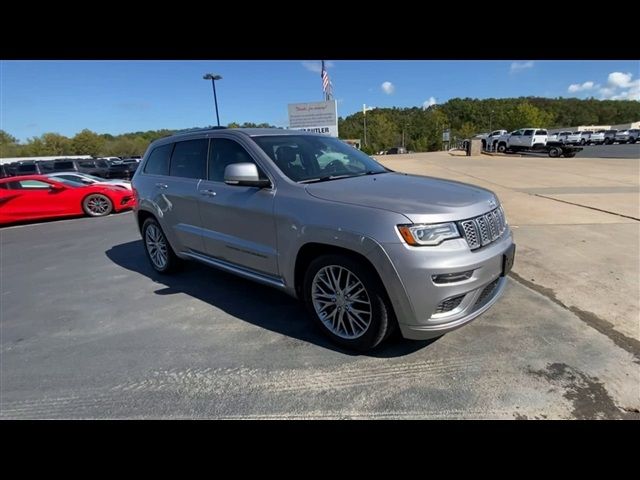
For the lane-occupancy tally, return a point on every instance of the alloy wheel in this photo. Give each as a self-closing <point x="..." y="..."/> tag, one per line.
<point x="341" y="302"/>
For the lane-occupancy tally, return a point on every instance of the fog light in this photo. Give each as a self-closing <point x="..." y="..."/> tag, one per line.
<point x="452" y="277"/>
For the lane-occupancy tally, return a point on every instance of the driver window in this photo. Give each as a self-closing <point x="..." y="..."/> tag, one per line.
<point x="223" y="152"/>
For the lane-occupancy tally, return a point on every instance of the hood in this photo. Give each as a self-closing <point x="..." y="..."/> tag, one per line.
<point x="421" y="199"/>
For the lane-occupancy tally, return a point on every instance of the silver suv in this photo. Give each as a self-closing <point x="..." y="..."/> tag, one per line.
<point x="367" y="249"/>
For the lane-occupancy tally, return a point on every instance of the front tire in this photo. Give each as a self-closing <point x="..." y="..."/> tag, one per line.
<point x="554" y="152"/>
<point x="502" y="148"/>
<point x="160" y="254"/>
<point x="97" y="205"/>
<point x="348" y="302"/>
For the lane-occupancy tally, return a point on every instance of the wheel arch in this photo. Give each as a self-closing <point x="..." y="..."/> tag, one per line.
<point x="374" y="258"/>
<point x="141" y="216"/>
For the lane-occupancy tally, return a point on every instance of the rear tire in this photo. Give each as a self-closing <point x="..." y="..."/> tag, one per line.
<point x="97" y="205"/>
<point x="633" y="140"/>
<point x="554" y="152"/>
<point x="583" y="142"/>
<point x="348" y="302"/>
<point x="159" y="252"/>
<point x="502" y="148"/>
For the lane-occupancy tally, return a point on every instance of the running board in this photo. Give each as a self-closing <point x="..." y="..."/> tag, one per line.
<point x="236" y="270"/>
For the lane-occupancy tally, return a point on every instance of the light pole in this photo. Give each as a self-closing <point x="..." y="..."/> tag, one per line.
<point x="490" y="118"/>
<point x="213" y="78"/>
<point x="364" y="114"/>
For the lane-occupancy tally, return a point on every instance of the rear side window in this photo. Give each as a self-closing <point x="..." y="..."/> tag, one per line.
<point x="189" y="159"/>
<point x="87" y="164"/>
<point x="158" y="161"/>
<point x="541" y="132"/>
<point x="63" y="165"/>
<point x="529" y="132"/>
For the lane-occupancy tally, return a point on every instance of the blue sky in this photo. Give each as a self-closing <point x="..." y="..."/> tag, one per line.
<point x="125" y="96"/>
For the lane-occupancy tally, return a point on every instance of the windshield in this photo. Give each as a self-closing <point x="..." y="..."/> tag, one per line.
<point x="90" y="177"/>
<point x="310" y="157"/>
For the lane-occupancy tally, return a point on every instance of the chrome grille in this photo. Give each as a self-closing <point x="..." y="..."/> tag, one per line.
<point x="484" y="229"/>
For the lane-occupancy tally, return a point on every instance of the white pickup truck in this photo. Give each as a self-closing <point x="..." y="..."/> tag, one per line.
<point x="491" y="140"/>
<point x="596" y="138"/>
<point x="523" y="139"/>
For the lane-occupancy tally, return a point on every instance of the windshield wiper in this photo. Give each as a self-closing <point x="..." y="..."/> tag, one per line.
<point x="325" y="179"/>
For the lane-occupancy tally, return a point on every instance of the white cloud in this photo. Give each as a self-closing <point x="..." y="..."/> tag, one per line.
<point x="519" y="66"/>
<point x="316" y="67"/>
<point x="620" y="86"/>
<point x="619" y="79"/>
<point x="429" y="102"/>
<point x="579" y="87"/>
<point x="388" y="87"/>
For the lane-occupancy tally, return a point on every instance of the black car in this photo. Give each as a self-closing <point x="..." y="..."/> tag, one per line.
<point x="23" y="168"/>
<point x="99" y="168"/>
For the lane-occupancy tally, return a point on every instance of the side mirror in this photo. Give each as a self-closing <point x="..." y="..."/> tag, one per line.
<point x="244" y="174"/>
<point x="56" y="187"/>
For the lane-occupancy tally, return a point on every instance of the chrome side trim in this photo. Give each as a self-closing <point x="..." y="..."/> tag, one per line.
<point x="237" y="270"/>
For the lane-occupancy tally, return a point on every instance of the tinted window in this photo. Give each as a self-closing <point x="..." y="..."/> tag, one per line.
<point x="189" y="159"/>
<point x="86" y="164"/>
<point x="225" y="152"/>
<point x="102" y="163"/>
<point x="529" y="132"/>
<point x="158" y="161"/>
<point x="26" y="168"/>
<point x="63" y="166"/>
<point x="541" y="132"/>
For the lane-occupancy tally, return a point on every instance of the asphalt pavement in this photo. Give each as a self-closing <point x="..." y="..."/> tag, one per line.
<point x="89" y="330"/>
<point x="625" y="150"/>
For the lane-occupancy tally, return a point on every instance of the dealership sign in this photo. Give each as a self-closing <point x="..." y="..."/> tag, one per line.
<point x="318" y="117"/>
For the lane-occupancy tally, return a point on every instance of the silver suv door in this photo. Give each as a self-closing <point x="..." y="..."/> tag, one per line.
<point x="238" y="222"/>
<point x="178" y="192"/>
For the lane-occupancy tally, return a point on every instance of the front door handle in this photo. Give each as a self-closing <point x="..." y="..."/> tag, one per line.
<point x="208" y="193"/>
<point x="162" y="185"/>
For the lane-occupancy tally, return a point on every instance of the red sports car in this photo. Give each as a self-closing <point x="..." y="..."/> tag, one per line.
<point x="32" y="197"/>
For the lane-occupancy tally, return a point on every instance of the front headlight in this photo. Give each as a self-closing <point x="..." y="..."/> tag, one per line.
<point x="434" y="234"/>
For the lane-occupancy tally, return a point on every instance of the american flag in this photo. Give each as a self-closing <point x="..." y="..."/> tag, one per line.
<point x="326" y="82"/>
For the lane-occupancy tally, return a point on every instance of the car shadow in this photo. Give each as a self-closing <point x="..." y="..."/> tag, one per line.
<point x="267" y="307"/>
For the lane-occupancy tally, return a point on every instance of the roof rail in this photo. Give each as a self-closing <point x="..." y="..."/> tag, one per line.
<point x="195" y="130"/>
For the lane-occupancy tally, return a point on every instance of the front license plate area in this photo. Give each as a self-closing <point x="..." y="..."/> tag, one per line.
<point x="507" y="259"/>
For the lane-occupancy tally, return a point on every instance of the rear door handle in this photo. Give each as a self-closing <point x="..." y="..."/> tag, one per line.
<point x="162" y="185"/>
<point x="208" y="193"/>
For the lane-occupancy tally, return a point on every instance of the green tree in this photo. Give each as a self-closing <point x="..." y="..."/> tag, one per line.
<point x="56" y="144"/>
<point x="87" y="143"/>
<point x="8" y="145"/>
<point x="526" y="115"/>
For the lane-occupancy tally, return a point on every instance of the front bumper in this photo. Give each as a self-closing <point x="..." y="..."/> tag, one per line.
<point x="416" y="267"/>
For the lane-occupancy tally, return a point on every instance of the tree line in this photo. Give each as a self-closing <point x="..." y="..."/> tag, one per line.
<point x="465" y="117"/>
<point x="91" y="143"/>
<point x="421" y="128"/>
